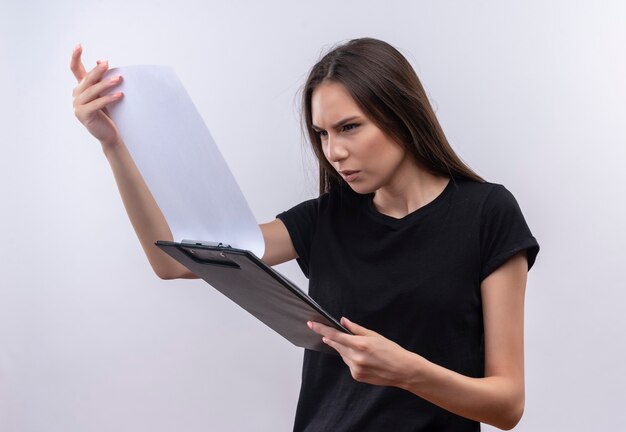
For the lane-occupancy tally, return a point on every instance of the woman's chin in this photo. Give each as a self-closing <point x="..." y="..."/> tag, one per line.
<point x="361" y="188"/>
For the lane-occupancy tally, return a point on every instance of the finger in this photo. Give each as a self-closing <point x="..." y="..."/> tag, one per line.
<point x="354" y="327"/>
<point x="76" y="65"/>
<point x="92" y="77"/>
<point x="341" y="349"/>
<point x="84" y="112"/>
<point x="332" y="333"/>
<point x="321" y="329"/>
<point x="96" y="90"/>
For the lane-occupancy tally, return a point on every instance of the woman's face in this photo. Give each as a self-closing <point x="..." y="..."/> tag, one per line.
<point x="360" y="152"/>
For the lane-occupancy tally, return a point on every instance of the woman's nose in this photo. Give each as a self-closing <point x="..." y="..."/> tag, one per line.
<point x="335" y="151"/>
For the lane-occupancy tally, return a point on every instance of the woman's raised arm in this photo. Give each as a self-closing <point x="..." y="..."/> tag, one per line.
<point x="144" y="213"/>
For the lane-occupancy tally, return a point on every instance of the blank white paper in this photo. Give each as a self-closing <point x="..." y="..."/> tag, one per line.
<point x="179" y="160"/>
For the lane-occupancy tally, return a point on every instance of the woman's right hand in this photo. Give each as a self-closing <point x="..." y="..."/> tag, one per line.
<point x="89" y="106"/>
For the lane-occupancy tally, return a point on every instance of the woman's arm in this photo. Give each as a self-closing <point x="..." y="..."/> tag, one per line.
<point x="278" y="245"/>
<point x="496" y="399"/>
<point x="144" y="213"/>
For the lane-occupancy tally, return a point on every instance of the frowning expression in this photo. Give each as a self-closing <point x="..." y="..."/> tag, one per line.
<point x="356" y="147"/>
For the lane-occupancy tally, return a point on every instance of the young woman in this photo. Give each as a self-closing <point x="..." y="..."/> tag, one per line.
<point x="424" y="260"/>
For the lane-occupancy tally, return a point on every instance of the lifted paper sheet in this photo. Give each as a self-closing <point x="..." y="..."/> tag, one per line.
<point x="179" y="160"/>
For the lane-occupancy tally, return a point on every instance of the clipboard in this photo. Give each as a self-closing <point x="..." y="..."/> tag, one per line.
<point x="256" y="287"/>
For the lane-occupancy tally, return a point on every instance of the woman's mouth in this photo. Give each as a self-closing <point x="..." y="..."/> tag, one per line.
<point x="349" y="175"/>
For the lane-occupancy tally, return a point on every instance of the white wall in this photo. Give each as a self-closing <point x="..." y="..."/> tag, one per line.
<point x="531" y="94"/>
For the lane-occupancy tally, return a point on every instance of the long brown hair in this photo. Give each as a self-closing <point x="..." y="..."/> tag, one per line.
<point x="386" y="88"/>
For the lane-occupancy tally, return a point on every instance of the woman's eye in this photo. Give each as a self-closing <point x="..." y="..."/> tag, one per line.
<point x="322" y="134"/>
<point x="350" y="126"/>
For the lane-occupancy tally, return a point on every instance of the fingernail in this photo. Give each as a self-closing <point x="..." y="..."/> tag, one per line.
<point x="310" y="324"/>
<point x="324" y="340"/>
<point x="104" y="64"/>
<point x="116" y="79"/>
<point x="77" y="47"/>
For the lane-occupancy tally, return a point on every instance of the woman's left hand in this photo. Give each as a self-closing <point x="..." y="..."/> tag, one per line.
<point x="372" y="358"/>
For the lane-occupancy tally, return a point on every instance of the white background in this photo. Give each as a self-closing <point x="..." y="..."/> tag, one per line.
<point x="531" y="95"/>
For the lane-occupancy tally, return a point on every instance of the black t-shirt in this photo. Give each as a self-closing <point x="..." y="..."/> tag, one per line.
<point x="415" y="280"/>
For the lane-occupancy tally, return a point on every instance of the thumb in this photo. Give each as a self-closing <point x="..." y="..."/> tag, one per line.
<point x="353" y="327"/>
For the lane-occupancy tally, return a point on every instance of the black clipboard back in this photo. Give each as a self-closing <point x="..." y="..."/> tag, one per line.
<point x="256" y="287"/>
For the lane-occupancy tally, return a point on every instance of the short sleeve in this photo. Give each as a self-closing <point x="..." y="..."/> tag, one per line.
<point x="503" y="232"/>
<point x="301" y="221"/>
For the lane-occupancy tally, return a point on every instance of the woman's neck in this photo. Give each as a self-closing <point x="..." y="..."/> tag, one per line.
<point x="411" y="188"/>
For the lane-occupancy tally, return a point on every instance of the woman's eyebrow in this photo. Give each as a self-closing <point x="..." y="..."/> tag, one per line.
<point x="339" y="123"/>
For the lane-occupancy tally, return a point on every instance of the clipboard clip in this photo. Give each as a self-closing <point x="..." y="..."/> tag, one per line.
<point x="197" y="251"/>
<point x="204" y="243"/>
